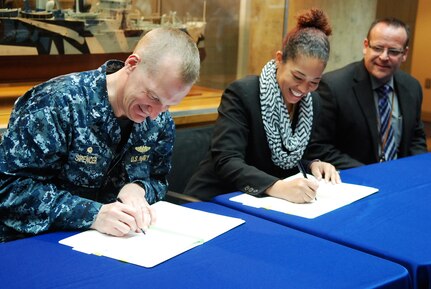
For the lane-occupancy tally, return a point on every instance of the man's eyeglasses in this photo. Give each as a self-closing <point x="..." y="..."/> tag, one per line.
<point x="392" y="52"/>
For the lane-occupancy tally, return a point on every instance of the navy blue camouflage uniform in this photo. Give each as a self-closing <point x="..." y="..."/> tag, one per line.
<point x="59" y="161"/>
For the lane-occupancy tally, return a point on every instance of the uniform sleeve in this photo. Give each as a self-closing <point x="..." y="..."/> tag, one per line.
<point x="31" y="154"/>
<point x="155" y="184"/>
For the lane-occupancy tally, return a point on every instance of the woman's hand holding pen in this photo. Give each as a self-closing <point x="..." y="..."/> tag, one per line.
<point x="298" y="190"/>
<point x="131" y="212"/>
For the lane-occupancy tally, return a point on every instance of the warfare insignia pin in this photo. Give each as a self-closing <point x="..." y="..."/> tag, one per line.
<point x="142" y="149"/>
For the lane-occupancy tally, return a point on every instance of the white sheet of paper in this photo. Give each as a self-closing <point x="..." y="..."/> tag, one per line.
<point x="329" y="197"/>
<point x="177" y="230"/>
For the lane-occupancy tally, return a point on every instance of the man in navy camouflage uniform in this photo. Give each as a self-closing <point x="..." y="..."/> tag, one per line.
<point x="77" y="143"/>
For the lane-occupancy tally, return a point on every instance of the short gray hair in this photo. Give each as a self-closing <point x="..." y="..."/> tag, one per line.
<point x="170" y="42"/>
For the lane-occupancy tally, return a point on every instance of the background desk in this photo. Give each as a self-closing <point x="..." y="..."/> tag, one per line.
<point x="394" y="223"/>
<point x="257" y="254"/>
<point x="199" y="107"/>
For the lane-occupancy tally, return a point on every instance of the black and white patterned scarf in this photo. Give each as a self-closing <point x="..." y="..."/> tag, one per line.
<point x="287" y="147"/>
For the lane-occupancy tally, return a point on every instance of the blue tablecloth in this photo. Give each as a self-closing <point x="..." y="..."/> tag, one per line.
<point x="394" y="223"/>
<point x="257" y="254"/>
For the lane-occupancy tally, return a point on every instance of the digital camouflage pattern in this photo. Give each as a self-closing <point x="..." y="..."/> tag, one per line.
<point x="58" y="160"/>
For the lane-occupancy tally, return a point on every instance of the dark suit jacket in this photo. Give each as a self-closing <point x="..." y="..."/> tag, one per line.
<point x="346" y="133"/>
<point x="239" y="158"/>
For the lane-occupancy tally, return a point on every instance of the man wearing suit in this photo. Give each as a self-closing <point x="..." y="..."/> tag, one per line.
<point x="348" y="133"/>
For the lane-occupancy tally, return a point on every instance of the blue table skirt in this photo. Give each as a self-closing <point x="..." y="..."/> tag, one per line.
<point x="257" y="254"/>
<point x="394" y="223"/>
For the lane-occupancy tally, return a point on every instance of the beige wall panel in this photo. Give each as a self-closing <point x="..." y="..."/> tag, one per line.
<point x="420" y="56"/>
<point x="406" y="11"/>
<point x="265" y="33"/>
<point x="350" y="20"/>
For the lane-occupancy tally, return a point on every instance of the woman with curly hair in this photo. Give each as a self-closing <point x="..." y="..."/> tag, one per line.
<point x="265" y="122"/>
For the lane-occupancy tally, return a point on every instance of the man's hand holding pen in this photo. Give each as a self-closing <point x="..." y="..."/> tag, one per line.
<point x="131" y="212"/>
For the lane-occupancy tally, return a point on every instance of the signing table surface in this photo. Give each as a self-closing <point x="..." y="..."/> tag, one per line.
<point x="393" y="223"/>
<point x="257" y="254"/>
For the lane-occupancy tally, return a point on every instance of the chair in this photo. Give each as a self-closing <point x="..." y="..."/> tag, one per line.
<point x="191" y="146"/>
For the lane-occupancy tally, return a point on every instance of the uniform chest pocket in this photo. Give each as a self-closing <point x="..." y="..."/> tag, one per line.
<point x="87" y="167"/>
<point x="138" y="160"/>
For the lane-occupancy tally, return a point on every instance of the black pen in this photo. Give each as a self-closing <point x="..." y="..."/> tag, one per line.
<point x="119" y="200"/>
<point x="302" y="170"/>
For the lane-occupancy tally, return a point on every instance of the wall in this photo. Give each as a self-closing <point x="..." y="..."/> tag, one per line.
<point x="267" y="28"/>
<point x="242" y="35"/>
<point x="266" y="32"/>
<point x="221" y="37"/>
<point x="348" y="29"/>
<point x="406" y="11"/>
<point x="420" y="58"/>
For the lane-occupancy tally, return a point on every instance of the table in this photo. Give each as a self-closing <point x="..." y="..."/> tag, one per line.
<point x="199" y="107"/>
<point x="257" y="254"/>
<point x="393" y="224"/>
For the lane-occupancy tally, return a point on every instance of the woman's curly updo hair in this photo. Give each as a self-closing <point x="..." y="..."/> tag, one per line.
<point x="309" y="37"/>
